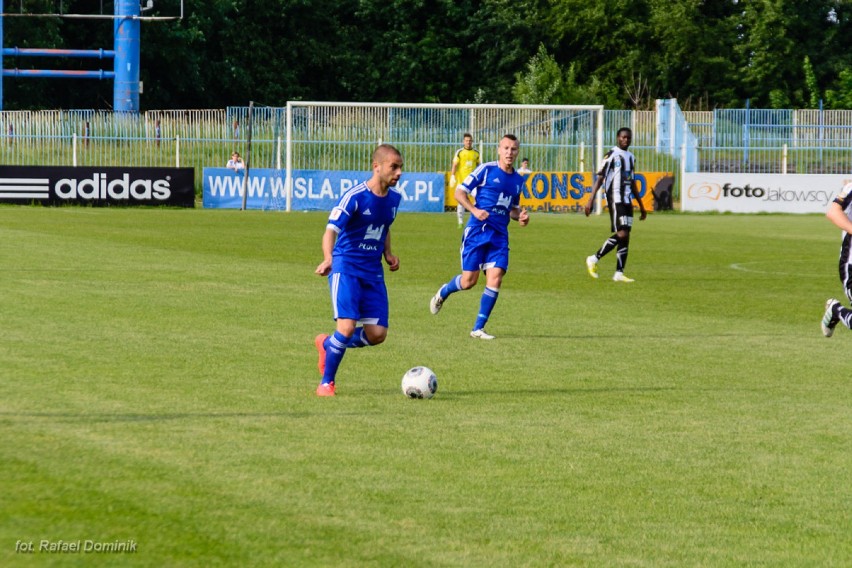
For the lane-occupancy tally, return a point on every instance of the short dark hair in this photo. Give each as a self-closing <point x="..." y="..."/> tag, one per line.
<point x="624" y="129"/>
<point x="511" y="137"/>
<point x="468" y="135"/>
<point x="382" y="149"/>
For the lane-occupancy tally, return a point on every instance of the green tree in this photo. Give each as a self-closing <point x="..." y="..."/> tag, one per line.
<point x="541" y="82"/>
<point x="413" y="50"/>
<point x="841" y="96"/>
<point x="502" y="36"/>
<point x="811" y="83"/>
<point x="773" y="37"/>
<point x="778" y="99"/>
<point x="688" y="49"/>
<point x="601" y="46"/>
<point x="227" y="52"/>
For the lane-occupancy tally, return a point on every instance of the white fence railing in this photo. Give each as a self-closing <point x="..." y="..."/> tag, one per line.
<point x="340" y="136"/>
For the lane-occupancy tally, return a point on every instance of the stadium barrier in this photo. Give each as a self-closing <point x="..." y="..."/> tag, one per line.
<point x="760" y="193"/>
<point x="63" y="185"/>
<point x="318" y="190"/>
<point x="312" y="189"/>
<point x="756" y="141"/>
<point x="567" y="192"/>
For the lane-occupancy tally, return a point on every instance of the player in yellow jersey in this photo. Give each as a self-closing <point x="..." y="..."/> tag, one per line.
<point x="465" y="161"/>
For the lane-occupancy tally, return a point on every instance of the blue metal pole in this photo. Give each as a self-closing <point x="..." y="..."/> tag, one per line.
<point x="746" y="134"/>
<point x="821" y="131"/>
<point x="78" y="53"/>
<point x="2" y="11"/>
<point x="57" y="74"/>
<point x="127" y="41"/>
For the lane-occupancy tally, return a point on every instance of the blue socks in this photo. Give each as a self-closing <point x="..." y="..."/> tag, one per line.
<point x="450" y="287"/>
<point x="335" y="349"/>
<point x="486" y="304"/>
<point x="358" y="339"/>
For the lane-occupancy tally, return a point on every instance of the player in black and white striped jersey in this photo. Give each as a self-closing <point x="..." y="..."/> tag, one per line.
<point x="616" y="176"/>
<point x="840" y="213"/>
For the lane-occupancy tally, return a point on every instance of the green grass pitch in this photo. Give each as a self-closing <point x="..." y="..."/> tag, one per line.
<point x="157" y="378"/>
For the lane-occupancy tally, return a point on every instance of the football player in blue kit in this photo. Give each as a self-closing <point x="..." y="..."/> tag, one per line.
<point x="356" y="239"/>
<point x="485" y="242"/>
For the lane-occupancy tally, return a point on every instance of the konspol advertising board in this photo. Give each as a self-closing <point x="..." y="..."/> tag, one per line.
<point x="61" y="185"/>
<point x="760" y="193"/>
<point x="567" y="192"/>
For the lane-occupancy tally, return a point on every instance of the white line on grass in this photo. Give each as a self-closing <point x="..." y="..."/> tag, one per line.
<point x="743" y="267"/>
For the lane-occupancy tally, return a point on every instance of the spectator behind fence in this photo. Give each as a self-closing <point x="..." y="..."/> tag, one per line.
<point x="525" y="166"/>
<point x="236" y="163"/>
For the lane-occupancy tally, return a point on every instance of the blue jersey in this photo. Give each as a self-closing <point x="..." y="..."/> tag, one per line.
<point x="361" y="220"/>
<point x="496" y="192"/>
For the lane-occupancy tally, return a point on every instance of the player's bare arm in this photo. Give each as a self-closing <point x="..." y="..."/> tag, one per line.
<point x="328" y="239"/>
<point x="837" y="216"/>
<point x="643" y="213"/>
<point x="591" y="202"/>
<point x="520" y="215"/>
<point x="390" y="258"/>
<point x="464" y="200"/>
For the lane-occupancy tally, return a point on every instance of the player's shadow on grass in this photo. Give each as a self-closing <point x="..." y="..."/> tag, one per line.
<point x="550" y="392"/>
<point x="665" y="337"/>
<point x="115" y="418"/>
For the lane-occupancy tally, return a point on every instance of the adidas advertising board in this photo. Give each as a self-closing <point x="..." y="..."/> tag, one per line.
<point x="61" y="185"/>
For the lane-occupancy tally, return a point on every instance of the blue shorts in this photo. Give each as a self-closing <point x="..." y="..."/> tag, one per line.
<point x="360" y="299"/>
<point x="483" y="248"/>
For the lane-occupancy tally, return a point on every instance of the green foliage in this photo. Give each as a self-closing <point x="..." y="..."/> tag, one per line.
<point x="227" y="52"/>
<point x="778" y="99"/>
<point x="811" y="83"/>
<point x="841" y="98"/>
<point x="541" y="82"/>
<point x="545" y="82"/>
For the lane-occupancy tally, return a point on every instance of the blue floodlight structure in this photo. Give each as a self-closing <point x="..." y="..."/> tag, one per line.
<point x="125" y="54"/>
<point x="127" y="39"/>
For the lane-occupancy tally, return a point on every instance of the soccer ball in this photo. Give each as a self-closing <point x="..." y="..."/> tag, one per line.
<point x="419" y="382"/>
